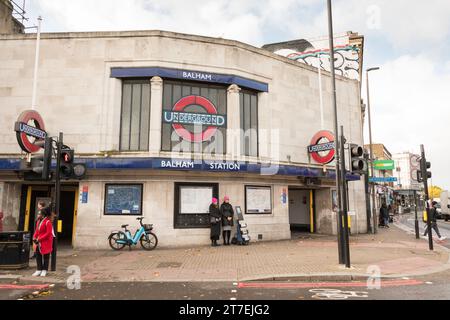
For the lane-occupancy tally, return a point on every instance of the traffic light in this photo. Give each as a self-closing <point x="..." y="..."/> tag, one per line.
<point x="66" y="163"/>
<point x="356" y="156"/>
<point x="68" y="169"/>
<point x="38" y="169"/>
<point x="424" y="166"/>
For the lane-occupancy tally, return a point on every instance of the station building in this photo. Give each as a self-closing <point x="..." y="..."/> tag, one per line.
<point x="166" y="121"/>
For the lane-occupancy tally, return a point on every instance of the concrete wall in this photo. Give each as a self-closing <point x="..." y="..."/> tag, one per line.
<point x="8" y="24"/>
<point x="10" y="205"/>
<point x="93" y="227"/>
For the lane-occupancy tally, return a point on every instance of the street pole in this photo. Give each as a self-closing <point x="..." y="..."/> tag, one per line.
<point x="344" y="201"/>
<point x="423" y="168"/>
<point x="374" y="211"/>
<point x="416" y="223"/>
<point x="367" y="190"/>
<point x="59" y="145"/>
<point x="336" y="134"/>
<point x="36" y="65"/>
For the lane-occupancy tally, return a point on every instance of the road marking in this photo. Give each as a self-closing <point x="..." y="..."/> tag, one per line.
<point x="295" y="285"/>
<point x="428" y="282"/>
<point x="233" y="299"/>
<point x="333" y="294"/>
<point x="233" y="291"/>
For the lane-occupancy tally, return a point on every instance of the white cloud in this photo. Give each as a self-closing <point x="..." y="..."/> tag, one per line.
<point x="410" y="106"/>
<point x="404" y="23"/>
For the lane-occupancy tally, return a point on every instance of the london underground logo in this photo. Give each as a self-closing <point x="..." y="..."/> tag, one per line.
<point x="322" y="148"/>
<point x="210" y="121"/>
<point x="24" y="130"/>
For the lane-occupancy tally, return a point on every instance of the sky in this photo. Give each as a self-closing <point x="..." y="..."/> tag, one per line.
<point x="408" y="40"/>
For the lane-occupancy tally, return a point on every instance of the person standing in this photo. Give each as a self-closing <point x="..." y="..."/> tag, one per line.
<point x="215" y="217"/>
<point x="43" y="238"/>
<point x="226" y="209"/>
<point x="384" y="213"/>
<point x="39" y="218"/>
<point x="433" y="217"/>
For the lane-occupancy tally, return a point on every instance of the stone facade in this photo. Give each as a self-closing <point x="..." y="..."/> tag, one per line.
<point x="77" y="96"/>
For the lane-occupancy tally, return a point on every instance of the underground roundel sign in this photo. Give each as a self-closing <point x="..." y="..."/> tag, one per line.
<point x="322" y="148"/>
<point x="195" y="119"/>
<point x="30" y="128"/>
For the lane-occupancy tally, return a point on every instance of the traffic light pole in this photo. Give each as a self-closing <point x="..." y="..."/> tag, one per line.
<point x="367" y="190"/>
<point x="416" y="222"/>
<point x="59" y="145"/>
<point x="346" y="244"/>
<point x="423" y="168"/>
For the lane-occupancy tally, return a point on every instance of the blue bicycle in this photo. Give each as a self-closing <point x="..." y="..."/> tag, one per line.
<point x="119" y="239"/>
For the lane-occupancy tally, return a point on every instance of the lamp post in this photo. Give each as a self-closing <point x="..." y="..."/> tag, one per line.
<point x="374" y="211"/>
<point x="340" y="227"/>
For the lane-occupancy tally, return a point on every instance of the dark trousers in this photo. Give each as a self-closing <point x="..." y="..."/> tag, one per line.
<point x="226" y="236"/>
<point x="42" y="260"/>
<point x="435" y="227"/>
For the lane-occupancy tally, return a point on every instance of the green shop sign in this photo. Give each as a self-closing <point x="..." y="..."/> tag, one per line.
<point x="384" y="165"/>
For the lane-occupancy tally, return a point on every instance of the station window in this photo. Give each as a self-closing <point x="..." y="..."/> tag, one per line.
<point x="258" y="200"/>
<point x="249" y="123"/>
<point x="135" y="116"/>
<point x="123" y="199"/>
<point x="192" y="201"/>
<point x="172" y="141"/>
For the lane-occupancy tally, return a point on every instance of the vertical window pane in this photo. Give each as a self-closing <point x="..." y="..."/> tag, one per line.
<point x="135" y="117"/>
<point x="186" y="91"/>
<point x="125" y="119"/>
<point x="254" y="126"/>
<point x="145" y="117"/>
<point x="167" y="105"/>
<point x="249" y="123"/>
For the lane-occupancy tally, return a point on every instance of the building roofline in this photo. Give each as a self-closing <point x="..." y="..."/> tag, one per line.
<point x="165" y="34"/>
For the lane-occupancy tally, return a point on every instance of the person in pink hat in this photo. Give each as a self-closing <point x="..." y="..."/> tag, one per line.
<point x="215" y="218"/>
<point x="226" y="209"/>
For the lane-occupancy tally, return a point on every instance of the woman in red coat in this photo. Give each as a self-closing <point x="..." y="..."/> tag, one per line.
<point x="43" y="238"/>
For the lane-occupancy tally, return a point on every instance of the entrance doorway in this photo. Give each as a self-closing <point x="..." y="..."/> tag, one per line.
<point x="68" y="209"/>
<point x="301" y="211"/>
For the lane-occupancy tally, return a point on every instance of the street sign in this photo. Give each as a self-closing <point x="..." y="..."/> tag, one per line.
<point x="382" y="179"/>
<point x="384" y="165"/>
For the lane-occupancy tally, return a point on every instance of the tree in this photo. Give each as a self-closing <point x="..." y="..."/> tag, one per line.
<point x="435" y="192"/>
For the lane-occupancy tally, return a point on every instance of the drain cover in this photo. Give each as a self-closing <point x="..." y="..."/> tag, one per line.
<point x="169" y="265"/>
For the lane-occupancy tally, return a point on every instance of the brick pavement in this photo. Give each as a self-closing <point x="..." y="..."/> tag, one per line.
<point x="393" y="250"/>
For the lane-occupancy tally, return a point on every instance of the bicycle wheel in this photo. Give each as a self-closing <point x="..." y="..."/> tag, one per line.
<point x="113" y="241"/>
<point x="150" y="242"/>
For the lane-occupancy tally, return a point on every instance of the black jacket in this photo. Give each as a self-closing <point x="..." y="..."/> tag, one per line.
<point x="433" y="214"/>
<point x="384" y="212"/>
<point x="214" y="211"/>
<point x="227" y="211"/>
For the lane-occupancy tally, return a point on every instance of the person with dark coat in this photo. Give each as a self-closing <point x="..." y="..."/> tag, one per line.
<point x="433" y="219"/>
<point x="215" y="217"/>
<point x="384" y="215"/>
<point x="226" y="209"/>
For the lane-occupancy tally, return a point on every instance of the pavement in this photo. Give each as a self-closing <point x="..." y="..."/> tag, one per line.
<point x="394" y="252"/>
